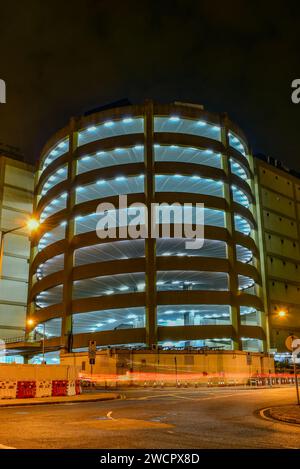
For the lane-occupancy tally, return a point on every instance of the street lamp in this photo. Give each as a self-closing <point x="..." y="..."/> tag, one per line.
<point x="31" y="225"/>
<point x="282" y="313"/>
<point x="30" y="322"/>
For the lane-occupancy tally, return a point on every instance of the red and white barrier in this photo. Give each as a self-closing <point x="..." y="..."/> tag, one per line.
<point x="8" y="389"/>
<point x="26" y="389"/>
<point x="78" y="386"/>
<point x="59" y="387"/>
<point x="43" y="388"/>
<point x="71" y="388"/>
<point x="29" y="389"/>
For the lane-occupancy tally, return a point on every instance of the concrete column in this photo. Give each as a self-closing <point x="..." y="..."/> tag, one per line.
<point x="229" y="219"/>
<point x="188" y="319"/>
<point x="262" y="264"/>
<point x="66" y="336"/>
<point x="150" y="244"/>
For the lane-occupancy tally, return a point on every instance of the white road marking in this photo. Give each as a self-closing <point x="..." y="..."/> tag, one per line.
<point x="224" y="395"/>
<point x="108" y="415"/>
<point x="198" y="398"/>
<point x="144" y="398"/>
<point x="184" y="397"/>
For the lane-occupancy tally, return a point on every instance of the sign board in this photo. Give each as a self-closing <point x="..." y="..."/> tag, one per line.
<point x="289" y="340"/>
<point x="249" y="358"/>
<point x="2" y="92"/>
<point x="92" y="351"/>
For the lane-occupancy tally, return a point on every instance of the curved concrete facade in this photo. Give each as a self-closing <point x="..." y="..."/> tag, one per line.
<point x="147" y="292"/>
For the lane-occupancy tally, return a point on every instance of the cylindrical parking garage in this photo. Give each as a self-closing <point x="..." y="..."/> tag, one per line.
<point x="146" y="292"/>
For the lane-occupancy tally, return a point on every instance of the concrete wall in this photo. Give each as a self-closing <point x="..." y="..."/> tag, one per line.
<point x="37" y="372"/>
<point x="142" y="366"/>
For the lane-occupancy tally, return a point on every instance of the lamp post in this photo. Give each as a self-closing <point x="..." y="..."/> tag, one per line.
<point x="296" y="379"/>
<point x="31" y="225"/>
<point x="30" y="322"/>
<point x="295" y="346"/>
<point x="295" y="351"/>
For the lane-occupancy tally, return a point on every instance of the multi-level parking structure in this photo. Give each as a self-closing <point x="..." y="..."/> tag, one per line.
<point x="147" y="292"/>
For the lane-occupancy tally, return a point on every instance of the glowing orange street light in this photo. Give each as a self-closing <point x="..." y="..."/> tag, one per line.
<point x="32" y="224"/>
<point x="282" y="313"/>
<point x="30" y="322"/>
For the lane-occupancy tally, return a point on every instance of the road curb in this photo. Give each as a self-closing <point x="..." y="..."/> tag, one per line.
<point x="60" y="401"/>
<point x="267" y="414"/>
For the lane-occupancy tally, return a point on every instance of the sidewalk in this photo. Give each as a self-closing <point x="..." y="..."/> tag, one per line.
<point x="287" y="414"/>
<point x="85" y="397"/>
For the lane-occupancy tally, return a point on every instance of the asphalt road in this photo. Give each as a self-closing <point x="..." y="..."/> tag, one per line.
<point x="187" y="418"/>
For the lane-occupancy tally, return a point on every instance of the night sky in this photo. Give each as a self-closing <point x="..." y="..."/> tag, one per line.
<point x="61" y="58"/>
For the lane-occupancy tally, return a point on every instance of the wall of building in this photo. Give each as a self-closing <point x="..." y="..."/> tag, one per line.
<point x="279" y="194"/>
<point x="16" y="199"/>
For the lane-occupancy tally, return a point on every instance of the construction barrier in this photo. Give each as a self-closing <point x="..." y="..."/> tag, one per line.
<point x="71" y="388"/>
<point x="60" y="387"/>
<point x="8" y="389"/>
<point x="26" y="389"/>
<point x="28" y="381"/>
<point x="78" y="386"/>
<point x="44" y="388"/>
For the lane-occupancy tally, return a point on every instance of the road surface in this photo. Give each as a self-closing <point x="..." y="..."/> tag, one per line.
<point x="171" y="418"/>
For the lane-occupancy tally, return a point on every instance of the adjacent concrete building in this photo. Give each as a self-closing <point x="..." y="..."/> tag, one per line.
<point x="279" y="196"/>
<point x="16" y="199"/>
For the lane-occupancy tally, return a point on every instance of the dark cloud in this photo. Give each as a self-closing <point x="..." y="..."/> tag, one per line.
<point x="62" y="58"/>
